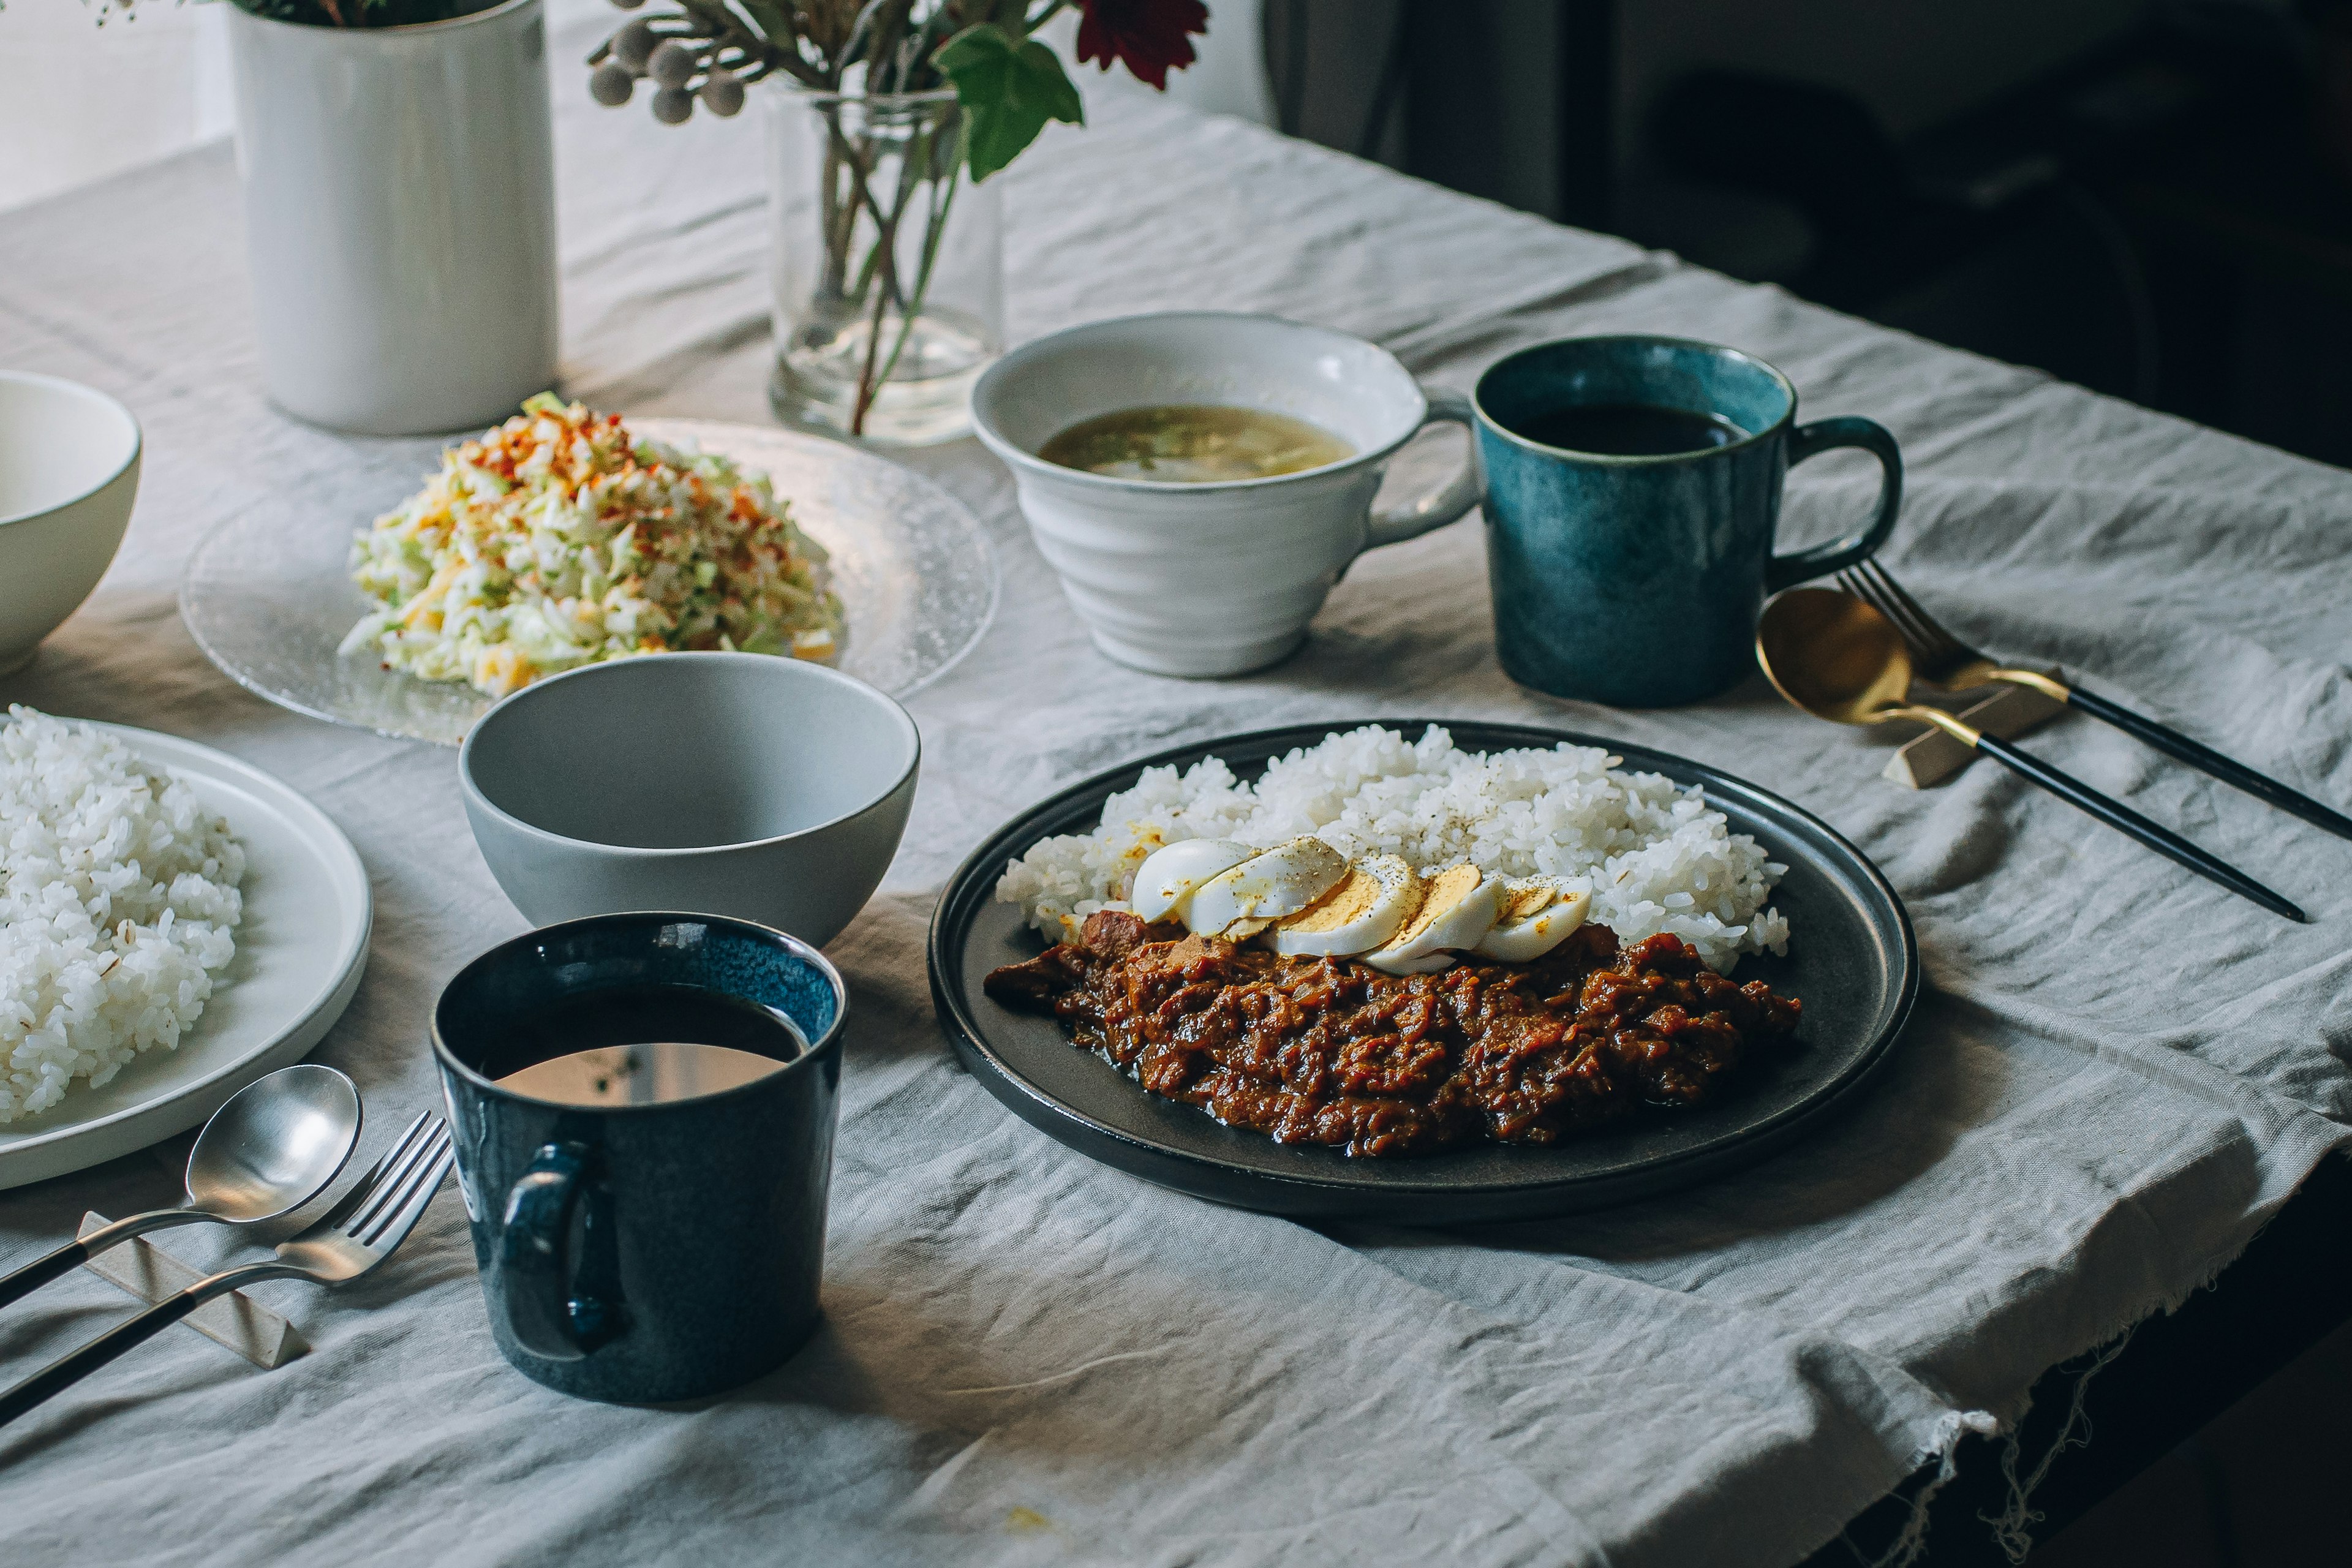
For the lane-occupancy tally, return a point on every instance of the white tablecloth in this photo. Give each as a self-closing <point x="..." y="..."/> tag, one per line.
<point x="2115" y="1073"/>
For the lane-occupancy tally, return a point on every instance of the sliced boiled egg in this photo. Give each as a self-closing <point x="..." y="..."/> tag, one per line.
<point x="1368" y="906"/>
<point x="1538" y="914"/>
<point x="1458" y="908"/>
<point x="1165" y="882"/>
<point x="1282" y="881"/>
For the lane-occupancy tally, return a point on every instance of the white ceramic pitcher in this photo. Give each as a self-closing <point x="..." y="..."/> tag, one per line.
<point x="1211" y="579"/>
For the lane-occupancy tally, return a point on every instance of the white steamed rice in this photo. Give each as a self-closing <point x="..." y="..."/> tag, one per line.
<point x="1654" y="857"/>
<point x="118" y="893"/>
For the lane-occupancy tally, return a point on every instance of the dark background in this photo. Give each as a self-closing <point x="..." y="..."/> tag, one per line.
<point x="2153" y="200"/>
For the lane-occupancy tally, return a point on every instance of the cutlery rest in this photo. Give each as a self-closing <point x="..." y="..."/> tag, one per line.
<point x="236" y="1320"/>
<point x="1932" y="757"/>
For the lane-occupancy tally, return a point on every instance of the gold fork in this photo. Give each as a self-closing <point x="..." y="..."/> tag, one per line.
<point x="1940" y="659"/>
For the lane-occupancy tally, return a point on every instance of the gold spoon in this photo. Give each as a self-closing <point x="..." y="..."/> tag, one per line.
<point x="1838" y="658"/>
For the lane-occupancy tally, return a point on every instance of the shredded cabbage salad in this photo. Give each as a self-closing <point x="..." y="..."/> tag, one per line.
<point x="559" y="538"/>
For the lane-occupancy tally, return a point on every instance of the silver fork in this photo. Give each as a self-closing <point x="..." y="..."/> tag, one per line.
<point x="353" y="1239"/>
<point x="1940" y="659"/>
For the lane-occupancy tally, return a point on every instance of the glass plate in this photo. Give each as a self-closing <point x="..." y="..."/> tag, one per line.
<point x="268" y="598"/>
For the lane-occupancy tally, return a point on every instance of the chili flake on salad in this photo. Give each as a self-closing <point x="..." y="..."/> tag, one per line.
<point x="558" y="540"/>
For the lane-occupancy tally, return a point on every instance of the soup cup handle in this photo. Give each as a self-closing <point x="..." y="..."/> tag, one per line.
<point x="1462" y="491"/>
<point x="544" y="1308"/>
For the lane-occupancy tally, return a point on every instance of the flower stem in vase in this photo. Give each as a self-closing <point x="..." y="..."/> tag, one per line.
<point x="942" y="203"/>
<point x="887" y="318"/>
<point x="885" y="255"/>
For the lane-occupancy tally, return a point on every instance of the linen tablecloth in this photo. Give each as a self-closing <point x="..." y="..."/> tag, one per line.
<point x="2114" y="1075"/>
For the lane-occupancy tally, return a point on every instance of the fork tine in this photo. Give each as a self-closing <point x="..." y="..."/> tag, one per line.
<point x="386" y="1194"/>
<point x="1945" y="646"/>
<point x="427" y="1166"/>
<point x="1861" y="587"/>
<point x="1880" y="589"/>
<point x="1854" y="583"/>
<point x="1868" y="591"/>
<point x="391" y="1228"/>
<point x="373" y="1182"/>
<point x="1931" y="651"/>
<point x="1922" y="625"/>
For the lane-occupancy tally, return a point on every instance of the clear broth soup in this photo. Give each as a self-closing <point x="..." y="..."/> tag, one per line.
<point x="1194" y="444"/>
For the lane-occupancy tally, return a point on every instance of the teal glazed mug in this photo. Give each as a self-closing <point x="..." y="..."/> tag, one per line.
<point x="1632" y="490"/>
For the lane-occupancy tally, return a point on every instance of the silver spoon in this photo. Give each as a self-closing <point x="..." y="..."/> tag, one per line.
<point x="271" y="1148"/>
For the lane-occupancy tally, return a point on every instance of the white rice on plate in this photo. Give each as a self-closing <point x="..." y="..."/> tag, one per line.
<point x="1655" y="857"/>
<point x="118" y="895"/>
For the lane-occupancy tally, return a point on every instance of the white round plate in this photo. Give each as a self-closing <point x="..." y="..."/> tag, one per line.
<point x="268" y="594"/>
<point x="300" y="953"/>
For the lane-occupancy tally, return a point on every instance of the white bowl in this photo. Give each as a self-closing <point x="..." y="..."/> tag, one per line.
<point x="723" y="784"/>
<point x="1211" y="579"/>
<point x="68" y="471"/>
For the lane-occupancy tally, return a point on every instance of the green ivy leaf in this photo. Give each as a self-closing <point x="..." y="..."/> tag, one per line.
<point x="1009" y="88"/>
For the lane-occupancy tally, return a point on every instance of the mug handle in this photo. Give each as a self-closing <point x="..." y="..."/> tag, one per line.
<point x="1461" y="492"/>
<point x="1821" y="560"/>
<point x="546" y="1315"/>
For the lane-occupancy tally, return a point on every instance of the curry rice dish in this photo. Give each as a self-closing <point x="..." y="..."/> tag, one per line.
<point x="1332" y="1051"/>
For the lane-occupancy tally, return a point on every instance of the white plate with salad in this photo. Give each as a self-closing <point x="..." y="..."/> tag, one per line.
<point x="566" y="536"/>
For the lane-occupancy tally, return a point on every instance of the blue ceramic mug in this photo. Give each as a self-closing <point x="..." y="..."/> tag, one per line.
<point x="1632" y="488"/>
<point x="666" y="1241"/>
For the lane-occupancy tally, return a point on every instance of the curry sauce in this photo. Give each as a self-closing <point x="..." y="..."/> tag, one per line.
<point x="1329" y="1051"/>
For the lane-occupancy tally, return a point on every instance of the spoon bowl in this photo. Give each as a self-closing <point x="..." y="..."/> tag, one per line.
<point x="1835" y="657"/>
<point x="275" y="1145"/>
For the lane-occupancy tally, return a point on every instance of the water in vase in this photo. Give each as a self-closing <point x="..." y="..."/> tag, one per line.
<point x="820" y="366"/>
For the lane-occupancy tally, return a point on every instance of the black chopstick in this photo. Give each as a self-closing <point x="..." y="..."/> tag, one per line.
<point x="2116" y="814"/>
<point x="2173" y="744"/>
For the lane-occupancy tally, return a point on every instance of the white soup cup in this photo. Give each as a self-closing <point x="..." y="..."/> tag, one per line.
<point x="1220" y="578"/>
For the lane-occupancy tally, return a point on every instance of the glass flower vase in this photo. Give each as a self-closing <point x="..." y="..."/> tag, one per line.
<point x="888" y="266"/>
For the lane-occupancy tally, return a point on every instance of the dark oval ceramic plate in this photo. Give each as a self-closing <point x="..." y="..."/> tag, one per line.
<point x="1851" y="960"/>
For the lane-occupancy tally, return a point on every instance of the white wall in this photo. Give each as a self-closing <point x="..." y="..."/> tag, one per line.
<point x="80" y="101"/>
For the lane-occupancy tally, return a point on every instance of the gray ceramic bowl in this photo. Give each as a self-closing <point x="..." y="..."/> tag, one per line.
<point x="724" y="784"/>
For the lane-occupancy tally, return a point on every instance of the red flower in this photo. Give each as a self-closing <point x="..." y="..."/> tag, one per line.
<point x="1149" y="34"/>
